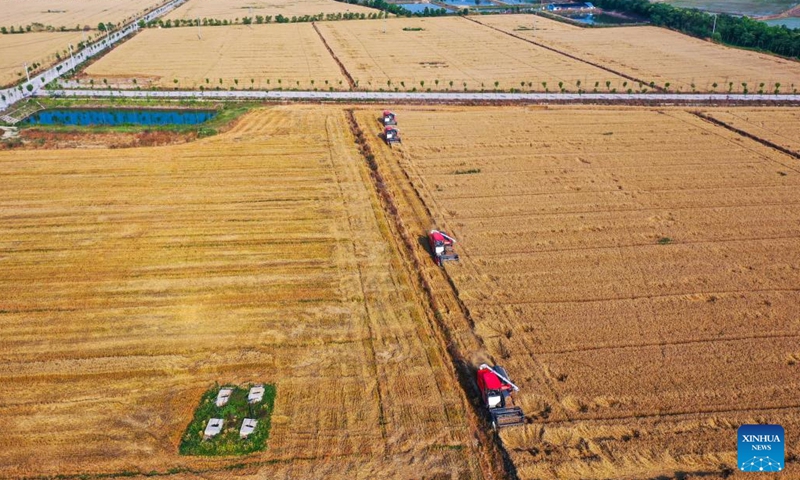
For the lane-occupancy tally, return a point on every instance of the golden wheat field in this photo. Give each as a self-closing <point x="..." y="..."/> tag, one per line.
<point x="231" y="10"/>
<point x="30" y="48"/>
<point x="780" y="126"/>
<point x="71" y="13"/>
<point x="258" y="56"/>
<point x="132" y="280"/>
<point x="636" y="271"/>
<point x="653" y="54"/>
<point x="450" y="50"/>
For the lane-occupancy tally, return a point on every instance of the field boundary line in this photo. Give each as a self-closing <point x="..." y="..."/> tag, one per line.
<point x="346" y="74"/>
<point x="568" y="55"/>
<point x="746" y="134"/>
<point x="495" y="457"/>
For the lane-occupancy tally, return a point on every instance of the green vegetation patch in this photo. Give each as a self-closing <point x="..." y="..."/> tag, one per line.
<point x="413" y="29"/>
<point x="228" y="442"/>
<point x="468" y="172"/>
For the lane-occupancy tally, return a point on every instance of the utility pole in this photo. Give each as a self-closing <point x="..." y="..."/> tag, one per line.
<point x="199" y="35"/>
<point x="27" y="74"/>
<point x="71" y="58"/>
<point x="714" y="28"/>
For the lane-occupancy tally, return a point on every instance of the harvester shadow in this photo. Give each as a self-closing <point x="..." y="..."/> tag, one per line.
<point x="423" y="242"/>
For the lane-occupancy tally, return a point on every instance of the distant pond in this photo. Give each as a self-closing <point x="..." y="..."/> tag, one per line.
<point x="90" y="116"/>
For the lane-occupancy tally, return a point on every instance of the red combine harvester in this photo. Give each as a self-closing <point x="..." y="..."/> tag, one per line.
<point x="496" y="390"/>
<point x="389" y="118"/>
<point x="391" y="135"/>
<point x="442" y="247"/>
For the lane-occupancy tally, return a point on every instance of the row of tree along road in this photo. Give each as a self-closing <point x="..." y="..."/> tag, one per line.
<point x="34" y="84"/>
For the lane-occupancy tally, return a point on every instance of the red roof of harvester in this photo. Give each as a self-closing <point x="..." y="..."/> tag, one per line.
<point x="436" y="236"/>
<point x="491" y="380"/>
<point x="386" y="113"/>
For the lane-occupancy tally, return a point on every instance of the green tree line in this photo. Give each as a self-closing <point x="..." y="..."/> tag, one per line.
<point x="397" y="9"/>
<point x="738" y="31"/>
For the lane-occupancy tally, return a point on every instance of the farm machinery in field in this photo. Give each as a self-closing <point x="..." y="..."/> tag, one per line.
<point x="442" y="247"/>
<point x="496" y="393"/>
<point x="388" y="118"/>
<point x="391" y="135"/>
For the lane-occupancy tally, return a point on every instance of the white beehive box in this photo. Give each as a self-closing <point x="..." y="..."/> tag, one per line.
<point x="256" y="394"/>
<point x="248" y="426"/>
<point x="213" y="428"/>
<point x="223" y="396"/>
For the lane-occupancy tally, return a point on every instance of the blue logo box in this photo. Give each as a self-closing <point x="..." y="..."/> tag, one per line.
<point x="761" y="448"/>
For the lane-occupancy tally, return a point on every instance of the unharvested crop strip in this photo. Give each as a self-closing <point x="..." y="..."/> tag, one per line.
<point x="346" y="74"/>
<point x="573" y="57"/>
<point x="743" y="133"/>
<point x="496" y="455"/>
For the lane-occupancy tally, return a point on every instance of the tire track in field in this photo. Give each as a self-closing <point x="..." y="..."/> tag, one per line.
<point x="749" y="135"/>
<point x="346" y="74"/>
<point x="637" y="297"/>
<point x="673" y="343"/>
<point x="619" y="192"/>
<point x="526" y="253"/>
<point x="677" y="413"/>
<point x="615" y="210"/>
<point x="568" y="55"/>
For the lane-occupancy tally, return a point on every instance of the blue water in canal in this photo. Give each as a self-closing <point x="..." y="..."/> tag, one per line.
<point x="119" y="117"/>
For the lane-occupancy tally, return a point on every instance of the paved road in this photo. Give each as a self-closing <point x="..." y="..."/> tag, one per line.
<point x="424" y="96"/>
<point x="12" y="95"/>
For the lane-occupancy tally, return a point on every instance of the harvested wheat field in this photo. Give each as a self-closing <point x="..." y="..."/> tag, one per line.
<point x="653" y="54"/>
<point x="259" y="56"/>
<point x="637" y="272"/>
<point x="780" y="126"/>
<point x="231" y="10"/>
<point x="30" y="48"/>
<point x="71" y="13"/>
<point x="452" y="51"/>
<point x="132" y="280"/>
